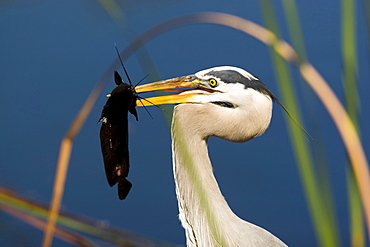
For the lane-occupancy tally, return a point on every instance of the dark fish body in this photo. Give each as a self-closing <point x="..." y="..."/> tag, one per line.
<point x="114" y="134"/>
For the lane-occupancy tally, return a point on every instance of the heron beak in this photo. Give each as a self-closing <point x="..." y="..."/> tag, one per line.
<point x="182" y="90"/>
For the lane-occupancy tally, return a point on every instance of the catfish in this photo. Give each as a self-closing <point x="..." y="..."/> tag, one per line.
<point x="114" y="134"/>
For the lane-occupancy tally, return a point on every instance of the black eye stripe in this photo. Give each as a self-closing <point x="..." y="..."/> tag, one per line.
<point x="231" y="76"/>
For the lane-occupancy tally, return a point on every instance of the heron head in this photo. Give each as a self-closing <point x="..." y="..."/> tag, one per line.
<point x="227" y="101"/>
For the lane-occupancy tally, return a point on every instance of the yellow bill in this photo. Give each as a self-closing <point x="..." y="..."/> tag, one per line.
<point x="185" y="89"/>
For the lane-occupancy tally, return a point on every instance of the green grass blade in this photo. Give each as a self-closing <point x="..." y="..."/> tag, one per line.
<point x="357" y="224"/>
<point x="296" y="36"/>
<point x="349" y="54"/>
<point x="325" y="229"/>
<point x="323" y="180"/>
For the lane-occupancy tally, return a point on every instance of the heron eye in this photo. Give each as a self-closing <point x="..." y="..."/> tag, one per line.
<point x="213" y="82"/>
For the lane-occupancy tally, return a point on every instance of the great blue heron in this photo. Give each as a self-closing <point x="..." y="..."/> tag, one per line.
<point x="226" y="102"/>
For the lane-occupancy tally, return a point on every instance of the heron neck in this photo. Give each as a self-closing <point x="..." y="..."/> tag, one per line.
<point x="203" y="209"/>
